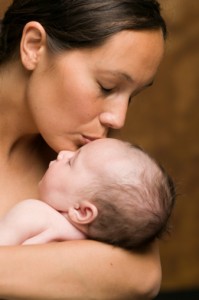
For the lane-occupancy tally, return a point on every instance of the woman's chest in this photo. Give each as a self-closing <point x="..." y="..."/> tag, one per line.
<point x="17" y="185"/>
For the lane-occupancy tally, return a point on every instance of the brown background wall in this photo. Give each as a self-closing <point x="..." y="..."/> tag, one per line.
<point x="165" y="121"/>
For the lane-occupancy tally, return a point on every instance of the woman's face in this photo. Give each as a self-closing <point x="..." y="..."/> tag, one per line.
<point x="78" y="95"/>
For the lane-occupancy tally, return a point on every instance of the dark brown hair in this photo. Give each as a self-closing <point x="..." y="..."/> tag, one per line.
<point x="131" y="215"/>
<point x="77" y="23"/>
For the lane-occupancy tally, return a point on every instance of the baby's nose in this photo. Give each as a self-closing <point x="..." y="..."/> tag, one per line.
<point x="64" y="154"/>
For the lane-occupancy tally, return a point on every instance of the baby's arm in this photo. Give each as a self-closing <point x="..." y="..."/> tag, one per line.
<point x="34" y="222"/>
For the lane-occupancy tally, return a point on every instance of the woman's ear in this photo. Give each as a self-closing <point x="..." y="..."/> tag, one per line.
<point x="84" y="213"/>
<point x="33" y="41"/>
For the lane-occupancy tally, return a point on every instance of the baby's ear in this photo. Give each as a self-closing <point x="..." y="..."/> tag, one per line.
<point x="84" y="213"/>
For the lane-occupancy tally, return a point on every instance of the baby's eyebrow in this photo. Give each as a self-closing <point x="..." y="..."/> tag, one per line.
<point x="73" y="159"/>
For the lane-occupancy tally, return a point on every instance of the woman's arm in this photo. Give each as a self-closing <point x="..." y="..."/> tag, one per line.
<point x="78" y="270"/>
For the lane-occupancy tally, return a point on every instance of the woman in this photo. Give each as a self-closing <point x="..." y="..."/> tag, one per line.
<point x="68" y="70"/>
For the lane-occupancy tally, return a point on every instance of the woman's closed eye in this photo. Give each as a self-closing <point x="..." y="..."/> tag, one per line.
<point x="106" y="90"/>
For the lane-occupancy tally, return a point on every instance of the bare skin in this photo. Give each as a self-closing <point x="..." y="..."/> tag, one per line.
<point x="32" y="107"/>
<point x="128" y="281"/>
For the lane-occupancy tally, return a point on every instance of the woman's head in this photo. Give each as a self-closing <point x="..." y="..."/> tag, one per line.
<point x="78" y="64"/>
<point x="76" y="24"/>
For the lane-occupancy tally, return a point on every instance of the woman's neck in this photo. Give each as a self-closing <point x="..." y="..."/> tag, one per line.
<point x="16" y="125"/>
<point x="21" y="145"/>
<point x="24" y="156"/>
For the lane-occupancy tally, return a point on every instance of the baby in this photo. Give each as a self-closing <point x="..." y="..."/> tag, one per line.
<point x="108" y="191"/>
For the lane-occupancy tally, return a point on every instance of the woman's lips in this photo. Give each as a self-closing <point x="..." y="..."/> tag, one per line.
<point x="88" y="139"/>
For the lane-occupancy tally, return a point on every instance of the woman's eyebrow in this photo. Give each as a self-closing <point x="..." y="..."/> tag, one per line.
<point x="122" y="74"/>
<point x="128" y="78"/>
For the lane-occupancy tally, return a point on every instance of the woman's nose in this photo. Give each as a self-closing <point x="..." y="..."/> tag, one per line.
<point x="65" y="155"/>
<point x="114" y="116"/>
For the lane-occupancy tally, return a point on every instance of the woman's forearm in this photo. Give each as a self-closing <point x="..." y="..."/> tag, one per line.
<point x="78" y="270"/>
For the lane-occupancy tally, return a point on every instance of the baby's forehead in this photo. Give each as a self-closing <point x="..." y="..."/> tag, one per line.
<point x="111" y="153"/>
<point x="119" y="160"/>
<point x="108" y="145"/>
<point x="132" y="157"/>
<point x="105" y="153"/>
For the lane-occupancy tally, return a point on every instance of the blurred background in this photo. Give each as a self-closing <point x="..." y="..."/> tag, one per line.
<point x="164" y="120"/>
